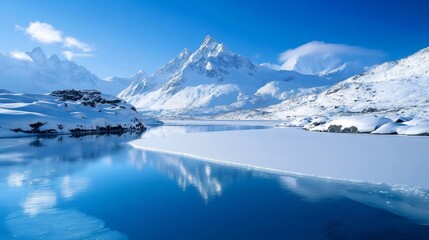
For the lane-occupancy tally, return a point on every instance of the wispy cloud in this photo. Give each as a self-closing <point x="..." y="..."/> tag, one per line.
<point x="71" y="42"/>
<point x="70" y="55"/>
<point x="47" y="34"/>
<point x="20" y="56"/>
<point x="316" y="57"/>
<point x="322" y="48"/>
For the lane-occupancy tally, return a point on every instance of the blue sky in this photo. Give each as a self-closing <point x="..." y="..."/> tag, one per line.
<point x="125" y="36"/>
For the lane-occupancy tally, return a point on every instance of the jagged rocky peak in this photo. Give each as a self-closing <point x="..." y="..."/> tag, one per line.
<point x="37" y="54"/>
<point x="184" y="54"/>
<point x="54" y="58"/>
<point x="215" y="59"/>
<point x="209" y="48"/>
<point x="176" y="63"/>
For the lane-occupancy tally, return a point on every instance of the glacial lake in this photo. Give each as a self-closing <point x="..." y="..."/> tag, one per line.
<point x="98" y="187"/>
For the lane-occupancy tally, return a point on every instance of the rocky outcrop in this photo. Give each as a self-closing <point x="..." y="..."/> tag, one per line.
<point x="76" y="112"/>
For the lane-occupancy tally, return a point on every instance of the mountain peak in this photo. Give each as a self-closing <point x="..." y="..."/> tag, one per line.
<point x="210" y="43"/>
<point x="37" y="54"/>
<point x="54" y="58"/>
<point x="208" y="40"/>
<point x="209" y="48"/>
<point x="184" y="54"/>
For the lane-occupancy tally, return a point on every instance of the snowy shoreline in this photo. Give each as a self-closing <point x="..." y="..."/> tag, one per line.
<point x="75" y="112"/>
<point x="387" y="159"/>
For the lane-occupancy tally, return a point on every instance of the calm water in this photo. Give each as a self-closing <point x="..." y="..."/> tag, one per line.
<point x="96" y="187"/>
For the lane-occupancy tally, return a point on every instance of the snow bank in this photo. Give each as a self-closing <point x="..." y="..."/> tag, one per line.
<point x="380" y="159"/>
<point x="415" y="127"/>
<point x="369" y="124"/>
<point x="362" y="124"/>
<point x="67" y="111"/>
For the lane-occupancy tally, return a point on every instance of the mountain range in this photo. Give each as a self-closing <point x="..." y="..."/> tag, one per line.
<point x="395" y="89"/>
<point x="214" y="81"/>
<point x="34" y="72"/>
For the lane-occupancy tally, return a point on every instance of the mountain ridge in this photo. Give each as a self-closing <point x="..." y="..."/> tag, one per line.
<point x="395" y="89"/>
<point x="213" y="80"/>
<point x="34" y="72"/>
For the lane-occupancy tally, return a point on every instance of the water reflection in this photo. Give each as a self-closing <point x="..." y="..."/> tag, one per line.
<point x="37" y="173"/>
<point x="169" y="130"/>
<point x="61" y="148"/>
<point x="208" y="179"/>
<point x="65" y="187"/>
<point x="406" y="201"/>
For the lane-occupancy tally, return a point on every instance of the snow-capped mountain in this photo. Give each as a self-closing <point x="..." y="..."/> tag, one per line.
<point x="213" y="80"/>
<point x="34" y="72"/>
<point x="395" y="89"/>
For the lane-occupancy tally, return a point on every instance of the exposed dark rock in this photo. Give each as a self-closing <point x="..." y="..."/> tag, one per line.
<point x="369" y="110"/>
<point x="351" y="129"/>
<point x="35" y="126"/>
<point x="334" y="128"/>
<point x="86" y="97"/>
<point x="118" y="129"/>
<point x="339" y="129"/>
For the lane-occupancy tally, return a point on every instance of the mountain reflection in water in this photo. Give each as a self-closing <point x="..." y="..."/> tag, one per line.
<point x="98" y="186"/>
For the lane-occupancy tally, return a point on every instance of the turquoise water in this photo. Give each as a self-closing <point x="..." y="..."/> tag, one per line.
<point x="97" y="187"/>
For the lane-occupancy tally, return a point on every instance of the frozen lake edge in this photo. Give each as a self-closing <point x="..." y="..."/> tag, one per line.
<point x="388" y="159"/>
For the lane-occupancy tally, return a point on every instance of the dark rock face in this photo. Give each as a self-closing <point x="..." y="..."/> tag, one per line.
<point x="86" y="97"/>
<point x="35" y="128"/>
<point x="338" y="129"/>
<point x="334" y="128"/>
<point x="369" y="110"/>
<point x="352" y="129"/>
<point x="118" y="129"/>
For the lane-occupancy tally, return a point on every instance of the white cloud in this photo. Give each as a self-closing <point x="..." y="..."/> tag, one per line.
<point x="322" y="48"/>
<point x="46" y="33"/>
<point x="70" y="55"/>
<point x="71" y="42"/>
<point x="20" y="56"/>
<point x="42" y="32"/>
<point x="319" y="58"/>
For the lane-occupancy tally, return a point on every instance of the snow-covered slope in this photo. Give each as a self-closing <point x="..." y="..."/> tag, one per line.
<point x="215" y="80"/>
<point x="33" y="72"/>
<point x="66" y="111"/>
<point x="393" y="89"/>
